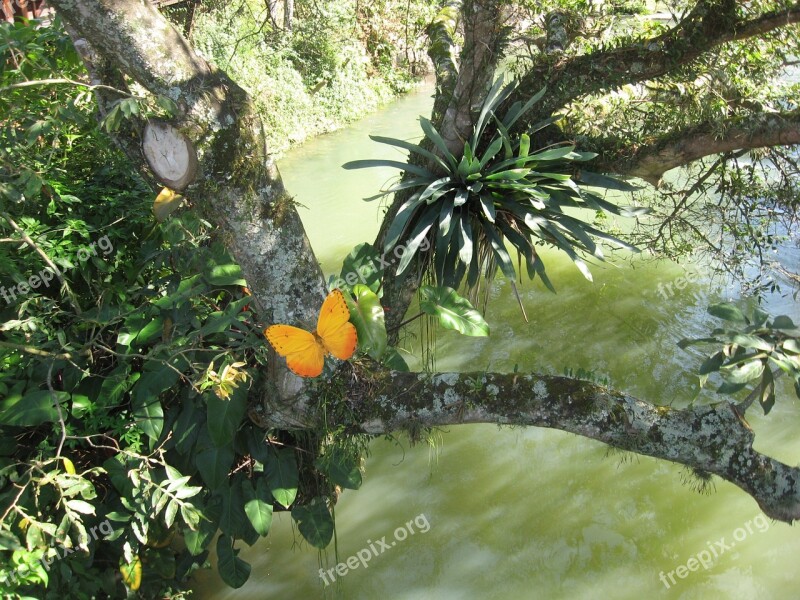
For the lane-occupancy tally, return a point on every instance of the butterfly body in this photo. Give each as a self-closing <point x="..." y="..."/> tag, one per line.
<point x="305" y="351"/>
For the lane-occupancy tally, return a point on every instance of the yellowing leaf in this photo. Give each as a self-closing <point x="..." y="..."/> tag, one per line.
<point x="68" y="466"/>
<point x="166" y="203"/>
<point x="131" y="572"/>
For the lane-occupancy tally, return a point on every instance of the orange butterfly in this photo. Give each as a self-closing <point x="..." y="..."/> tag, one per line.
<point x="305" y="352"/>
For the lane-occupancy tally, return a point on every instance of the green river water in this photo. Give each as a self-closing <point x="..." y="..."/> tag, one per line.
<point x="527" y="512"/>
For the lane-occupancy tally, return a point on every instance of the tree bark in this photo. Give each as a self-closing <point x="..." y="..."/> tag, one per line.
<point x="757" y="131"/>
<point x="713" y="438"/>
<point x="288" y="15"/>
<point x="483" y="40"/>
<point x="238" y="186"/>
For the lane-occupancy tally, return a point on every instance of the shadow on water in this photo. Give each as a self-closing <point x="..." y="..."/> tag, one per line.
<point x="532" y="513"/>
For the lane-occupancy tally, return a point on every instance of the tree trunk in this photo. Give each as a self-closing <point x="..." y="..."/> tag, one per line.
<point x="288" y="14"/>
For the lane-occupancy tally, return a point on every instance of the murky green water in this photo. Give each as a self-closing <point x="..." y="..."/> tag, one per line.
<point x="532" y="513"/>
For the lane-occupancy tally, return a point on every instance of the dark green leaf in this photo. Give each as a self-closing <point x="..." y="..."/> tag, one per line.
<point x="417" y="236"/>
<point x="230" y="274"/>
<point x="516" y="112"/>
<point x="436" y="189"/>
<point x="197" y="540"/>
<point x="605" y="181"/>
<point x="686" y="342"/>
<point x="282" y="476"/>
<point x="400" y="221"/>
<point x="500" y="252"/>
<point x="392" y="359"/>
<point x="233" y="520"/>
<point x="314" y="522"/>
<point x="214" y="464"/>
<point x="712" y="363"/>
<point x="393" y="164"/>
<point x="187" y="426"/>
<point x="491" y="151"/>
<point x="32" y="409"/>
<point x="726" y="311"/>
<point x="433" y="135"/>
<point x="552" y="154"/>
<point x="411" y="148"/>
<point x="361" y="265"/>
<point x="341" y="468"/>
<point x="145" y="403"/>
<point x="767" y="398"/>
<point x="783" y="322"/>
<point x="453" y="311"/>
<point x="225" y="416"/>
<point x="232" y="569"/>
<point x="257" y="505"/>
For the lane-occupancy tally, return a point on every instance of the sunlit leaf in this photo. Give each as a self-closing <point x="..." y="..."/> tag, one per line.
<point x="282" y="476"/>
<point x="257" y="505"/>
<point x="366" y="313"/>
<point x="453" y="311"/>
<point x="131" y="572"/>
<point x="166" y="203"/>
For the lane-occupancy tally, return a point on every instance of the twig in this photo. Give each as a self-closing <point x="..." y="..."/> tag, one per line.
<point x="89" y="86"/>
<point x="55" y="400"/>
<point x="39" y="352"/>
<point x="406" y="322"/>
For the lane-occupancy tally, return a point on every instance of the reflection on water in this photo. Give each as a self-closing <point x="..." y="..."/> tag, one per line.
<point x="522" y="512"/>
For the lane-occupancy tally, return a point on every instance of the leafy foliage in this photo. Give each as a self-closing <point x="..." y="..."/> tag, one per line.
<point x="751" y="346"/>
<point x="334" y="66"/>
<point x="124" y="415"/>
<point x="472" y="204"/>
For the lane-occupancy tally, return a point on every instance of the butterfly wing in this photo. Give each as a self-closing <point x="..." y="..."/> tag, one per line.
<point x="338" y="335"/>
<point x="305" y="356"/>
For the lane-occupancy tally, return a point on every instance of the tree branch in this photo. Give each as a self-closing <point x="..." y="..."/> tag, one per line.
<point x="441" y="32"/>
<point x="711" y="24"/>
<point x="756" y="131"/>
<point x="713" y="438"/>
<point x="483" y="38"/>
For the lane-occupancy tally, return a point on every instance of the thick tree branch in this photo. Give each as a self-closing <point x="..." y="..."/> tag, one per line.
<point x="711" y="24"/>
<point x="483" y="39"/>
<point x="441" y="32"/>
<point x="713" y="438"/>
<point x="756" y="131"/>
